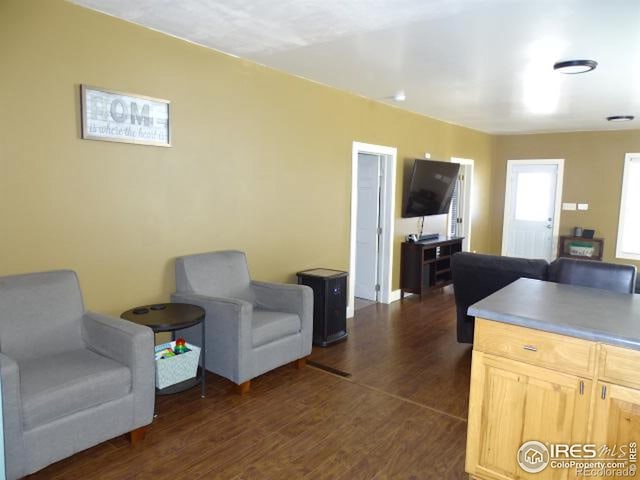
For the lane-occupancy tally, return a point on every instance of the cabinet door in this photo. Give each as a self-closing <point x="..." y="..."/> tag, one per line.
<point x="511" y="403"/>
<point x="616" y="419"/>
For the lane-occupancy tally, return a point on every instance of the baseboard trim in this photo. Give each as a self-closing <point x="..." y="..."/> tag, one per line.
<point x="396" y="294"/>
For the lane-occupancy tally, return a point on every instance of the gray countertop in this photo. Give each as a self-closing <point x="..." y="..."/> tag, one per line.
<point x="589" y="313"/>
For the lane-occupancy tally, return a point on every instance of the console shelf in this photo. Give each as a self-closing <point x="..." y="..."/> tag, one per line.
<point x="587" y="248"/>
<point x="427" y="265"/>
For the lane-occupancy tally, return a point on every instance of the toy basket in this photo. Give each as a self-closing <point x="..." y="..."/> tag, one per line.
<point x="581" y="249"/>
<point x="172" y="370"/>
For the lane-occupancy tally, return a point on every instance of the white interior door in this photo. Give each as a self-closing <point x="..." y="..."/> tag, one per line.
<point x="460" y="210"/>
<point x="531" y="209"/>
<point x="368" y="226"/>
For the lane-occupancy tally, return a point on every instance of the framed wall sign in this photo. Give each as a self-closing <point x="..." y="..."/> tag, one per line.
<point x="124" y="117"/>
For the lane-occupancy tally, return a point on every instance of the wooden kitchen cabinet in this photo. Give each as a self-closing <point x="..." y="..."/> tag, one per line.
<point x="535" y="347"/>
<point x="512" y="402"/>
<point x="616" y="410"/>
<point x="526" y="386"/>
<point x="616" y="418"/>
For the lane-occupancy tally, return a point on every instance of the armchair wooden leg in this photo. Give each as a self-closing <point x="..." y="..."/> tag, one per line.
<point x="244" y="387"/>
<point x="137" y="436"/>
<point x="300" y="363"/>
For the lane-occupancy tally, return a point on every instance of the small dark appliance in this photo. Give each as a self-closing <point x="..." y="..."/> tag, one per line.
<point x="329" y="304"/>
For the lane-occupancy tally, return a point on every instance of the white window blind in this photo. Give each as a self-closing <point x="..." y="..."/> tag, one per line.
<point x="454" y="213"/>
<point x="628" y="245"/>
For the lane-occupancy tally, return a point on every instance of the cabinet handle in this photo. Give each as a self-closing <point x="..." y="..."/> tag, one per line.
<point x="603" y="393"/>
<point x="531" y="348"/>
<point x="581" y="387"/>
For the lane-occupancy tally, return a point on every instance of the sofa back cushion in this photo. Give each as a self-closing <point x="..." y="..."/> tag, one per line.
<point x="607" y="276"/>
<point x="216" y="274"/>
<point x="477" y="276"/>
<point x="40" y="314"/>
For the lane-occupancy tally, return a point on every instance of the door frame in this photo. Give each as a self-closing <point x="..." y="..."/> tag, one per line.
<point x="388" y="161"/>
<point x="467" y="204"/>
<point x="559" y="162"/>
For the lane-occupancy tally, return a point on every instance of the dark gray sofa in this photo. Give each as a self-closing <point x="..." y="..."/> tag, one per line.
<point x="476" y="276"/>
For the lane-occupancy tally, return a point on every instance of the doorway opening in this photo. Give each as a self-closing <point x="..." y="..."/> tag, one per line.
<point x="532" y="208"/>
<point x="373" y="174"/>
<point x="461" y="210"/>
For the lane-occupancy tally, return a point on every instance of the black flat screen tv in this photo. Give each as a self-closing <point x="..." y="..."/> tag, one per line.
<point x="430" y="188"/>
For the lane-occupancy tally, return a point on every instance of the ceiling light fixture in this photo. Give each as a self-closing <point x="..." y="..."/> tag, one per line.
<point x="400" y="96"/>
<point x="620" y="118"/>
<point x="572" y="67"/>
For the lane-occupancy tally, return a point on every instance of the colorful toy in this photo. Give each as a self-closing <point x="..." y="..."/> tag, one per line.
<point x="181" y="346"/>
<point x="165" y="353"/>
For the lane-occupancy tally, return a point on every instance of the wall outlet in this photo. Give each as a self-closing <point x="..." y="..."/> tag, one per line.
<point x="568" y="206"/>
<point x="427" y="155"/>
<point x="583" y="206"/>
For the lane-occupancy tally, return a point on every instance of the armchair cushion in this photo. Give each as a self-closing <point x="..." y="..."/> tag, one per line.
<point x="283" y="297"/>
<point x="268" y="326"/>
<point x="41" y="314"/>
<point x="58" y="385"/>
<point x="222" y="274"/>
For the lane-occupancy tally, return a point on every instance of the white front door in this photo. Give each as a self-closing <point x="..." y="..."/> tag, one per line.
<point x="367" y="225"/>
<point x="531" y="206"/>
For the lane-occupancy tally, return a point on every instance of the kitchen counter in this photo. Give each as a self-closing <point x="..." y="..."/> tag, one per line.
<point x="587" y="313"/>
<point x="552" y="364"/>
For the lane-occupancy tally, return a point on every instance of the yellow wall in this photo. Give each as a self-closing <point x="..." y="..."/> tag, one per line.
<point x="592" y="174"/>
<point x="261" y="161"/>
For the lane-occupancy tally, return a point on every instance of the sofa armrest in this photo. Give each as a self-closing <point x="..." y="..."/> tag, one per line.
<point x="12" y="417"/>
<point x="286" y="297"/>
<point x="132" y="345"/>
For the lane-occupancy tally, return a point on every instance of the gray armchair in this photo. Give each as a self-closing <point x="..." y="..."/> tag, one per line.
<point x="252" y="327"/>
<point x="70" y="379"/>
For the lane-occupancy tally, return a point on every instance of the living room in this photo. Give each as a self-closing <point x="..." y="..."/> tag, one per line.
<point x="259" y="160"/>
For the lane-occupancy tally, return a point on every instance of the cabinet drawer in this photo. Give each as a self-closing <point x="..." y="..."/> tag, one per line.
<point x="620" y="366"/>
<point x="557" y="352"/>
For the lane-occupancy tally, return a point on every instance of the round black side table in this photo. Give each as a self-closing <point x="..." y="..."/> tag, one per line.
<point x="169" y="317"/>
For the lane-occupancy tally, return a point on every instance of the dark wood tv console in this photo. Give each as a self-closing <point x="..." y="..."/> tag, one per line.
<point x="426" y="265"/>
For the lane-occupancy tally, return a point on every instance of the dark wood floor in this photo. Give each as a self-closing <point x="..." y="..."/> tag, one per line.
<point x="361" y="303"/>
<point x="401" y="413"/>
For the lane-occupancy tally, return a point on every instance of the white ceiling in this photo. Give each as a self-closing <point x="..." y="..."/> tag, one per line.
<point x="484" y="64"/>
